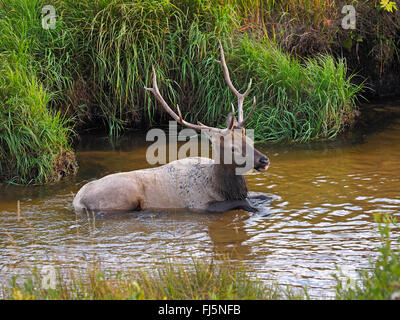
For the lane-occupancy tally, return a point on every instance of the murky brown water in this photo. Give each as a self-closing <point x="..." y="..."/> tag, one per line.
<point x="321" y="215"/>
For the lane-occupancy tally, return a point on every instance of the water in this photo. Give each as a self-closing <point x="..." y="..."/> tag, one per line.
<point x="324" y="197"/>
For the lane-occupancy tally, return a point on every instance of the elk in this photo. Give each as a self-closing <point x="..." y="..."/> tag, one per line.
<point x="191" y="183"/>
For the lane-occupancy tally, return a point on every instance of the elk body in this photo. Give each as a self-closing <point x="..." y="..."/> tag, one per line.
<point x="191" y="183"/>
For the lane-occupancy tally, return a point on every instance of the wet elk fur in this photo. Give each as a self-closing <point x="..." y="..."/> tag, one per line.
<point x="192" y="183"/>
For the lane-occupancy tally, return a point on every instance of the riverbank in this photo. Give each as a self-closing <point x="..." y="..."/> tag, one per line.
<point x="89" y="71"/>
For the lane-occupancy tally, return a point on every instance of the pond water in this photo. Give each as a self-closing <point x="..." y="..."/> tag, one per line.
<point x="324" y="197"/>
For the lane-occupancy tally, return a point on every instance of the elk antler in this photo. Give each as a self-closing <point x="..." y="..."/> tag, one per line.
<point x="240" y="96"/>
<point x="179" y="118"/>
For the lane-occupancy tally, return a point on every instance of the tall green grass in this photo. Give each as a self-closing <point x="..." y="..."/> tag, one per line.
<point x="34" y="141"/>
<point x="297" y="100"/>
<point x="53" y="55"/>
<point x="301" y="101"/>
<point x="93" y="66"/>
<point x="175" y="36"/>
<point x="109" y="46"/>
<point x="201" y="280"/>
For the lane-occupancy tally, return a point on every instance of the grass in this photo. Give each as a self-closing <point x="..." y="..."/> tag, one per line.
<point x="34" y="142"/>
<point x="126" y="42"/>
<point x="109" y="46"/>
<point x="199" y="281"/>
<point x="183" y="47"/>
<point x="306" y="28"/>
<point x="298" y="101"/>
<point x="91" y="69"/>
<point x="382" y="280"/>
<point x="202" y="279"/>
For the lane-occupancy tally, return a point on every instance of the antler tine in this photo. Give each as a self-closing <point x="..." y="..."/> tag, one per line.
<point x="180" y="114"/>
<point x="232" y="121"/>
<point x="165" y="105"/>
<point x="243" y="123"/>
<point x="240" y="96"/>
<point x="225" y="70"/>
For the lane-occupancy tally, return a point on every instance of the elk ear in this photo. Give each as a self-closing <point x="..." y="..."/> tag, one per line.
<point x="231" y="121"/>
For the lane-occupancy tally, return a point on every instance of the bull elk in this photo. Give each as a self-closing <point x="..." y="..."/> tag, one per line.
<point x="192" y="183"/>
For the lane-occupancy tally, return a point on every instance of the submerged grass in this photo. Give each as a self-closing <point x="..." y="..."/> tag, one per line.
<point x="198" y="281"/>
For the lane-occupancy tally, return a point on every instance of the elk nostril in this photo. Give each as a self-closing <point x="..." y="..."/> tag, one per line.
<point x="264" y="160"/>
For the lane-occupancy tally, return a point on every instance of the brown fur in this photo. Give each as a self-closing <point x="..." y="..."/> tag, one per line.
<point x="229" y="185"/>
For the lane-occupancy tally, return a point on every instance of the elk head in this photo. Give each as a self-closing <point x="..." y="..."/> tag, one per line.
<point x="231" y="142"/>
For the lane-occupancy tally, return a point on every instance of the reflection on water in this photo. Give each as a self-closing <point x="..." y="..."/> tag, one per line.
<point x="324" y="197"/>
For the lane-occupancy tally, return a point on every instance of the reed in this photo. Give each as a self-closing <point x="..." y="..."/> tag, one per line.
<point x="35" y="140"/>
<point x="109" y="47"/>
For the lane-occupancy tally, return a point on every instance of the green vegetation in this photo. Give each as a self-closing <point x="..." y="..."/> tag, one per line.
<point x="109" y="46"/>
<point x="382" y="282"/>
<point x="34" y="143"/>
<point x="201" y="280"/>
<point x="34" y="140"/>
<point x="206" y="280"/>
<point x="305" y="28"/>
<point x="93" y="66"/>
<point x="298" y="101"/>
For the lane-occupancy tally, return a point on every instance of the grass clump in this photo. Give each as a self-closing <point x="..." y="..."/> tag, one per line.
<point x="179" y="38"/>
<point x="176" y="37"/>
<point x="198" y="281"/>
<point x="99" y="57"/>
<point x="382" y="281"/>
<point x="297" y="101"/>
<point x="307" y="28"/>
<point x="34" y="142"/>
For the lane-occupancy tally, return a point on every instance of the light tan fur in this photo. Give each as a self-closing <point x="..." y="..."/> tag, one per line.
<point x="186" y="183"/>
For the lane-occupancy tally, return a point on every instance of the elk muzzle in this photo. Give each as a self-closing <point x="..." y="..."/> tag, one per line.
<point x="261" y="163"/>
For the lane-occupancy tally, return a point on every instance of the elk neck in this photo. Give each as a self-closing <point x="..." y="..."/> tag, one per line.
<point x="228" y="184"/>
